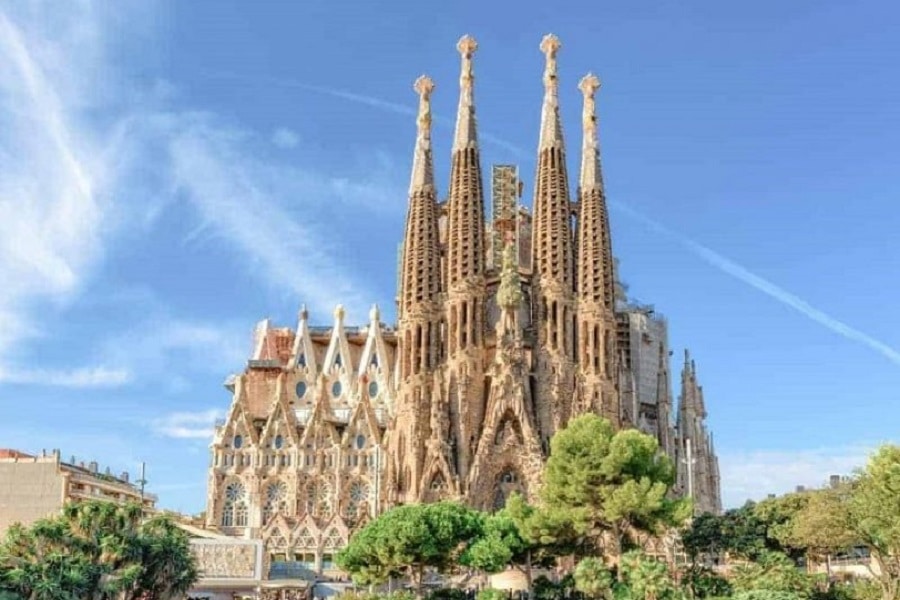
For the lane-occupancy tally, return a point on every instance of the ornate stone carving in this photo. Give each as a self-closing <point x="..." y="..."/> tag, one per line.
<point x="226" y="560"/>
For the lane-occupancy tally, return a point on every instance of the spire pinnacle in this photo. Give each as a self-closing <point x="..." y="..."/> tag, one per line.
<point x="591" y="175"/>
<point x="423" y="167"/>
<point x="551" y="129"/>
<point x="465" y="117"/>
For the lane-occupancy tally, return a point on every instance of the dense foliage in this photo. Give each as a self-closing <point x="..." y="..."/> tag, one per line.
<point x="610" y="484"/>
<point x="408" y="539"/>
<point x="97" y="550"/>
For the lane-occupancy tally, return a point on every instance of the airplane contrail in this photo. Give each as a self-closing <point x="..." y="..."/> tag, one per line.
<point x="381" y="104"/>
<point x="729" y="267"/>
<point x="709" y="256"/>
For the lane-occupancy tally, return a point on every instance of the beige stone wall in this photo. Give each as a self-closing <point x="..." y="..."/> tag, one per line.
<point x="30" y="489"/>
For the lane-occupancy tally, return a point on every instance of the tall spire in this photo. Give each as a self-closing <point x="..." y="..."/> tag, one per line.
<point x="591" y="175"/>
<point x="552" y="239"/>
<point x="465" y="136"/>
<point x="465" y="224"/>
<point x="420" y="270"/>
<point x="596" y="279"/>
<point x="553" y="275"/>
<point x="551" y="128"/>
<point x="423" y="163"/>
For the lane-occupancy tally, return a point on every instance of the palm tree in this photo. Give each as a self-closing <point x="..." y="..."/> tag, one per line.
<point x="98" y="551"/>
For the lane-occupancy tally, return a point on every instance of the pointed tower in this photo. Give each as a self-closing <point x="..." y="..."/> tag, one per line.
<point x="552" y="262"/>
<point x="466" y="291"/>
<point x="595" y="288"/>
<point x="419" y="313"/>
<point x="664" y="433"/>
<point x="697" y="464"/>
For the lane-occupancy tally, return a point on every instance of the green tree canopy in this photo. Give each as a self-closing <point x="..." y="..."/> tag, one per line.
<point x="645" y="578"/>
<point x="607" y="481"/>
<point x="593" y="578"/>
<point x="408" y="539"/>
<point x="97" y="550"/>
<point x="772" y="572"/>
<point x="874" y="514"/>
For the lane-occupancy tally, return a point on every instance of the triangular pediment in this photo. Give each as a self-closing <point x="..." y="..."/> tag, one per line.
<point x="280" y="430"/>
<point x="238" y="421"/>
<point x="303" y="354"/>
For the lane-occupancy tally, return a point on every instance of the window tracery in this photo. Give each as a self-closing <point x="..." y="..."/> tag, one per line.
<point x="276" y="501"/>
<point x="234" y="509"/>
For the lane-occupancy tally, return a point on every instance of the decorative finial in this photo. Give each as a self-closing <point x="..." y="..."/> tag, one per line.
<point x="339" y="313"/>
<point x="423" y="86"/>
<point x="374" y="314"/>
<point x="467" y="46"/>
<point x="589" y="85"/>
<point x="465" y="135"/>
<point x="551" y="128"/>
<point x="423" y="171"/>
<point x="550" y="46"/>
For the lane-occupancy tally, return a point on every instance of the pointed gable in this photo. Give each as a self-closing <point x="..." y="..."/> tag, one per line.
<point x="320" y="432"/>
<point x="338" y="357"/>
<point x="281" y="424"/>
<point x="363" y="422"/>
<point x="303" y="354"/>
<point x="239" y="421"/>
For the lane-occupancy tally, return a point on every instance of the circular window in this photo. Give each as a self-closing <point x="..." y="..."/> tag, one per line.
<point x="358" y="492"/>
<point x="360" y="441"/>
<point x="373" y="389"/>
<point x="336" y="389"/>
<point x="279" y="442"/>
<point x="301" y="389"/>
<point x="238" y="441"/>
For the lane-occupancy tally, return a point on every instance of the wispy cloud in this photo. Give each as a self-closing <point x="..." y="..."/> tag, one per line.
<point x="188" y="425"/>
<point x="380" y="104"/>
<point x="243" y="201"/>
<point x="741" y="273"/>
<point x="173" y="351"/>
<point x="71" y="183"/>
<point x="85" y="377"/>
<point x="50" y="208"/>
<point x="285" y="138"/>
<point x="754" y="475"/>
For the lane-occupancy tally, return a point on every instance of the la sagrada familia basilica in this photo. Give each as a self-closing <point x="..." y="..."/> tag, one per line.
<point x="506" y="328"/>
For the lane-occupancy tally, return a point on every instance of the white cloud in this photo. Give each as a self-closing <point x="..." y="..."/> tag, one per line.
<point x="243" y="200"/>
<point x="71" y="183"/>
<point x="285" y="138"/>
<point x="84" y="377"/>
<point x="50" y="205"/>
<point x="754" y="475"/>
<point x="188" y="425"/>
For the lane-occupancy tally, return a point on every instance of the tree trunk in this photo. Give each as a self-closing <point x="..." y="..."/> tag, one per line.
<point x="419" y="578"/>
<point x="529" y="582"/>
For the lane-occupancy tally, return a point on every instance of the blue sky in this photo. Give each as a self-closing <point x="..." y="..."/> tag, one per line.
<point x="170" y="173"/>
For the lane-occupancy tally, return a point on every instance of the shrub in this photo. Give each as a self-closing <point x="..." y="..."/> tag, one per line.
<point x="705" y="583"/>
<point x="448" y="594"/>
<point x="766" y="595"/>
<point x="492" y="594"/>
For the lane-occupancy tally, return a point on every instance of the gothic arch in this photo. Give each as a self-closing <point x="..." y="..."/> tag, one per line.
<point x="508" y="480"/>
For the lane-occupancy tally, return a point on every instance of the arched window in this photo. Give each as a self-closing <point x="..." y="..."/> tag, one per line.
<point x="276" y="496"/>
<point x="234" y="510"/>
<point x="358" y="494"/>
<point x="508" y="481"/>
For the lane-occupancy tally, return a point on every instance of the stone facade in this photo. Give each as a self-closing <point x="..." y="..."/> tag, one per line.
<point x="34" y="487"/>
<point x="504" y="332"/>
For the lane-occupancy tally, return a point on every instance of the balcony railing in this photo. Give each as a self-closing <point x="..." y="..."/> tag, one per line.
<point x="291" y="570"/>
